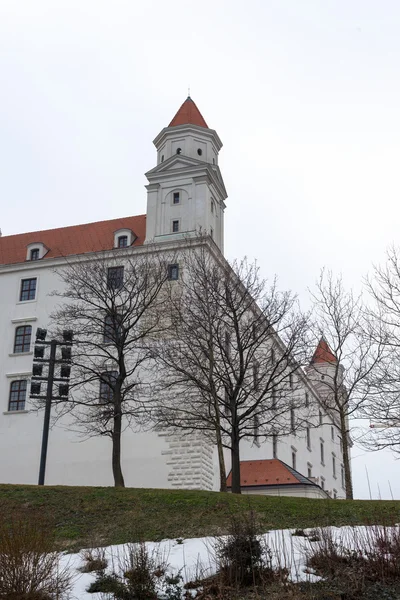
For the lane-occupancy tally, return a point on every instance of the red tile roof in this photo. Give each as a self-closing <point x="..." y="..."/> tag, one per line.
<point x="66" y="241"/>
<point x="267" y="472"/>
<point x="323" y="354"/>
<point x="188" y="114"/>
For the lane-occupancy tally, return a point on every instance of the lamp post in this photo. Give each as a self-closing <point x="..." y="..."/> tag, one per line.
<point x="52" y="362"/>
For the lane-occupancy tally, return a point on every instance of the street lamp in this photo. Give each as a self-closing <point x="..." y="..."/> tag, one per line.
<point x="51" y="363"/>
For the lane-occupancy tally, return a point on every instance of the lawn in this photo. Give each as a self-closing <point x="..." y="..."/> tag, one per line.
<point x="84" y="516"/>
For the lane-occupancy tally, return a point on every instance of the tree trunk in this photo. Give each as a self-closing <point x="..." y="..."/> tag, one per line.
<point x="346" y="458"/>
<point x="221" y="460"/>
<point x="116" y="450"/>
<point x="235" y="455"/>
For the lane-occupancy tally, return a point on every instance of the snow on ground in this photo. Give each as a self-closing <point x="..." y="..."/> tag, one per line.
<point x="195" y="556"/>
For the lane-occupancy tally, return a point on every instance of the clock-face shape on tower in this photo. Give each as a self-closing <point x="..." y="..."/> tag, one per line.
<point x="186" y="193"/>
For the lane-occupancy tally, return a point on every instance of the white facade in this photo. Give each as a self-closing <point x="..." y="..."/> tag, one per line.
<point x="186" y="194"/>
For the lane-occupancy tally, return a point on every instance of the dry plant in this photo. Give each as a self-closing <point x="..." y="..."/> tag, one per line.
<point x="29" y="567"/>
<point x="94" y="560"/>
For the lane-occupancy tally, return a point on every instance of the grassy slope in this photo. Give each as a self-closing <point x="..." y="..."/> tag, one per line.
<point x="83" y="515"/>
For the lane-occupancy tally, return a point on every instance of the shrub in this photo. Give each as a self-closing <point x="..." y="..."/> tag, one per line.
<point x="94" y="560"/>
<point x="29" y="567"/>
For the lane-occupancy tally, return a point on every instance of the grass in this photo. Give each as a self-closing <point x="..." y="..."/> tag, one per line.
<point x="84" y="515"/>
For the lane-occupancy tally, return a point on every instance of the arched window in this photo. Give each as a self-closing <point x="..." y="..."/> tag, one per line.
<point x="17" y="395"/>
<point x="22" y="341"/>
<point x="179" y="150"/>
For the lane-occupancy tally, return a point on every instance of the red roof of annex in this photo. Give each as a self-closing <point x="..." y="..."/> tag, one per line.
<point x="67" y="241"/>
<point x="267" y="472"/>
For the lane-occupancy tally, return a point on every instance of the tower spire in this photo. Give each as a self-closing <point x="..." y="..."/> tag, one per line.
<point x="188" y="114"/>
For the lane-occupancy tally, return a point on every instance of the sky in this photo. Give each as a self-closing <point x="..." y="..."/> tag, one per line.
<point x="304" y="95"/>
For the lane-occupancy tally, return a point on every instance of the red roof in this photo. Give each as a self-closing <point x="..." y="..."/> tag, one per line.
<point x="188" y="114"/>
<point x="323" y="354"/>
<point x="267" y="472"/>
<point x="66" y="241"/>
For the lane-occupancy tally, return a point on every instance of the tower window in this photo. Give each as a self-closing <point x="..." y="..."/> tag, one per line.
<point x="162" y="158"/>
<point x="28" y="290"/>
<point x="34" y="255"/>
<point x="17" y="395"/>
<point x="213" y="161"/>
<point x="176" y="198"/>
<point x="179" y="150"/>
<point x="173" y="272"/>
<point x="22" y="341"/>
<point x="122" y="241"/>
<point x="212" y="233"/>
<point x="115" y="278"/>
<point x="212" y="206"/>
<point x="175" y="226"/>
<point x="199" y="151"/>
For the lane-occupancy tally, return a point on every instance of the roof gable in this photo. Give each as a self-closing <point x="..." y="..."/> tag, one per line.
<point x="67" y="241"/>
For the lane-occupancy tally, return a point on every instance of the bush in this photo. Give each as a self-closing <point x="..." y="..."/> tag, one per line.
<point x="29" y="566"/>
<point x="94" y="560"/>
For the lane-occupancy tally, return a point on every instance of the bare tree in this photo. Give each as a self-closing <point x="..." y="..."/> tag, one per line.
<point x="383" y="408"/>
<point x="112" y="304"/>
<point x="231" y="365"/>
<point x="345" y="376"/>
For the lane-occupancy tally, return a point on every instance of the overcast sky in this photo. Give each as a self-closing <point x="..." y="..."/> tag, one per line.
<point x="304" y="95"/>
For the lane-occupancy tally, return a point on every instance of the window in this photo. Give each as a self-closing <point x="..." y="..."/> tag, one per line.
<point x="28" y="289"/>
<point x="334" y="465"/>
<point x="115" y="278"/>
<point x="22" y="341"/>
<point x="309" y="470"/>
<point x="179" y="150"/>
<point x="34" y="254"/>
<point x="273" y="406"/>
<point x="255" y="375"/>
<point x="213" y="161"/>
<point x="332" y="433"/>
<point x="107" y="385"/>
<point x="335" y="494"/>
<point x="272" y="356"/>
<point x="212" y="233"/>
<point x="292" y="420"/>
<point x="212" y="206"/>
<point x="162" y="158"/>
<point x="122" y="241"/>
<point x="308" y="434"/>
<point x="342" y="476"/>
<point x="199" y="151"/>
<point x="227" y="344"/>
<point x="320" y="417"/>
<point x="307" y="401"/>
<point x="112" y="329"/>
<point x="176" y="198"/>
<point x="275" y="445"/>
<point x="175" y="226"/>
<point x="323" y="483"/>
<point x="256" y="425"/>
<point x="322" y="453"/>
<point x="17" y="395"/>
<point x="294" y="457"/>
<point x="291" y="380"/>
<point x="173" y="272"/>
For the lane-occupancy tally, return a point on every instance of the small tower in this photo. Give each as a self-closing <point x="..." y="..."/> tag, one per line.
<point x="324" y="370"/>
<point x="186" y="193"/>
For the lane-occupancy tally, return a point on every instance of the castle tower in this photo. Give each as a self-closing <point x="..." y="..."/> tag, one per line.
<point x="186" y="193"/>
<point x="324" y="370"/>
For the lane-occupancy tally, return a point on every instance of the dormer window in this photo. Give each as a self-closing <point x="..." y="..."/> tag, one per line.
<point x="176" y="198"/>
<point x="122" y="241"/>
<point x="36" y="251"/>
<point x="123" y="238"/>
<point x="199" y="151"/>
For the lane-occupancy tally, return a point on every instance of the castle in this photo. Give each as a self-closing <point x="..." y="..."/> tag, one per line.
<point x="185" y="194"/>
